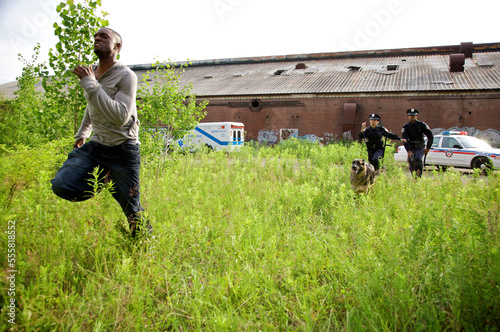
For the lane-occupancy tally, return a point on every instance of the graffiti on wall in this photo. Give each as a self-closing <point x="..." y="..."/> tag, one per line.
<point x="491" y="136"/>
<point x="267" y="136"/>
<point x="311" y="138"/>
<point x="272" y="137"/>
<point x="347" y="136"/>
<point x="288" y="133"/>
<point x="329" y="137"/>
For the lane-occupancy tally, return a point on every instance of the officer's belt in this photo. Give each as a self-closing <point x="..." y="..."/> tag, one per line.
<point x="417" y="144"/>
<point x="375" y="147"/>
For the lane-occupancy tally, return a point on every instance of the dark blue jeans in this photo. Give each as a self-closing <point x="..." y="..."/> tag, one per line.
<point x="119" y="163"/>
<point x="374" y="157"/>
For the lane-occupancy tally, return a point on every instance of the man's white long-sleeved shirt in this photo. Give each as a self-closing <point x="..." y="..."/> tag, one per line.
<point x="111" y="113"/>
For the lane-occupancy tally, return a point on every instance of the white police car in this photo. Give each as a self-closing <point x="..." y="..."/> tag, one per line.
<point x="458" y="150"/>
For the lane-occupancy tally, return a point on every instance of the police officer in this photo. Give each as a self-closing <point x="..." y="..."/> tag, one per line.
<point x="414" y="132"/>
<point x="374" y="141"/>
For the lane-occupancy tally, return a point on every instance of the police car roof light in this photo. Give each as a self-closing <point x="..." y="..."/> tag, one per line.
<point x="447" y="132"/>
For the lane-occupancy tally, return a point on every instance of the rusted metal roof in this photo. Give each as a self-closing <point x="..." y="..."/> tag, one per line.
<point x="370" y="74"/>
<point x="379" y="71"/>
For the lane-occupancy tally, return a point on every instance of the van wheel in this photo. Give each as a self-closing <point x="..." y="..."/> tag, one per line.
<point x="483" y="164"/>
<point x="442" y="168"/>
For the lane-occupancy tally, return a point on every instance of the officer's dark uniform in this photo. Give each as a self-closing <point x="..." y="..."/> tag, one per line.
<point x="374" y="141"/>
<point x="414" y="135"/>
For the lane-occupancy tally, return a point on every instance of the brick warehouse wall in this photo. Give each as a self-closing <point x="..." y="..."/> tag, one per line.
<point x="320" y="115"/>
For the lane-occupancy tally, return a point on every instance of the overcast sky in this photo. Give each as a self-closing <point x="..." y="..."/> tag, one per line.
<point x="213" y="29"/>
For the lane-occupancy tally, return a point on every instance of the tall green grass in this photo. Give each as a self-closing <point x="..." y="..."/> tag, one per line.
<point x="264" y="239"/>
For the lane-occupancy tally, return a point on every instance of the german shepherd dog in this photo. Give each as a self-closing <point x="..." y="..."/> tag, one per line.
<point x="363" y="176"/>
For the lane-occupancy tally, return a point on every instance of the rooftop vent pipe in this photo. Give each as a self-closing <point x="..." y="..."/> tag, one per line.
<point x="457" y="62"/>
<point x="467" y="49"/>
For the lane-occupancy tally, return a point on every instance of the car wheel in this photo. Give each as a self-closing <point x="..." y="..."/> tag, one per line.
<point x="483" y="164"/>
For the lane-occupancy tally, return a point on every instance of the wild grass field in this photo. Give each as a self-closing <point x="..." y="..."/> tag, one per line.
<point x="267" y="239"/>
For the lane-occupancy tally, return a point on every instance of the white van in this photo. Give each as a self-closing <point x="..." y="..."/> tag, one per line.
<point x="228" y="136"/>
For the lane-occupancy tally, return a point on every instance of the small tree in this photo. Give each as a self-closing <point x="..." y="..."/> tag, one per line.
<point x="167" y="105"/>
<point x="75" y="46"/>
<point x="8" y="132"/>
<point x="24" y="120"/>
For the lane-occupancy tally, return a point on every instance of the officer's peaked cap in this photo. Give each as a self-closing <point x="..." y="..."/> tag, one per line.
<point x="374" y="116"/>
<point x="412" y="111"/>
